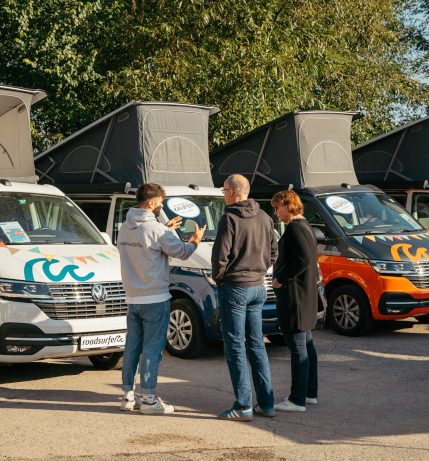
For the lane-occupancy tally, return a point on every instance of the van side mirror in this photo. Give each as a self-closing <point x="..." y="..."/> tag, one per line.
<point x="106" y="238"/>
<point x="319" y="234"/>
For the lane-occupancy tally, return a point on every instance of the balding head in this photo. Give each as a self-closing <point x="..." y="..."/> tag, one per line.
<point x="239" y="184"/>
<point x="237" y="188"/>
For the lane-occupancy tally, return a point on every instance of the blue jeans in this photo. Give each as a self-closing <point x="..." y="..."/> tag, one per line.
<point x="147" y="334"/>
<point x="241" y="317"/>
<point x="303" y="357"/>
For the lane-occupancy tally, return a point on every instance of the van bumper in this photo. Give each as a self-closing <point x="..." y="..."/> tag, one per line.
<point x="398" y="298"/>
<point x="25" y="326"/>
<point x="401" y="304"/>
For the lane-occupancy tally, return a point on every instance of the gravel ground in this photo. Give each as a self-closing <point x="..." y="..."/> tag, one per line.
<point x="373" y="404"/>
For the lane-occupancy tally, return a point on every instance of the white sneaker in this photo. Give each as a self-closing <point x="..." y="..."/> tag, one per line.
<point x="310" y="401"/>
<point x="287" y="405"/>
<point x="158" y="407"/>
<point x="128" y="405"/>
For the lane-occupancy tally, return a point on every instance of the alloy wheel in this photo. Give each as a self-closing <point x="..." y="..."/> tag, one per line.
<point x="179" y="332"/>
<point x="346" y="312"/>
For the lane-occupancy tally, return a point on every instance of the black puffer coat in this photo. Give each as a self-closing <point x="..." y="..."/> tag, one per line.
<point x="297" y="272"/>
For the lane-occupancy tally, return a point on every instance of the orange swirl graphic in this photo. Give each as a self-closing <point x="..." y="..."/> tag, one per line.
<point x="405" y="247"/>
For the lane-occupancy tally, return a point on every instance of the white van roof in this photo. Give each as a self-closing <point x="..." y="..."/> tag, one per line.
<point x="16" y="150"/>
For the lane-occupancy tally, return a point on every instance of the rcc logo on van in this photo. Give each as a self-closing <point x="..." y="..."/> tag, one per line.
<point x="99" y="293"/>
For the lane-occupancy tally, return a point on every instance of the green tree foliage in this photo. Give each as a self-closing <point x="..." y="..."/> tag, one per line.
<point x="256" y="59"/>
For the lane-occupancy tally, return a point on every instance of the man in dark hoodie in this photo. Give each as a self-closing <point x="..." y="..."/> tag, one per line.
<point x="245" y="248"/>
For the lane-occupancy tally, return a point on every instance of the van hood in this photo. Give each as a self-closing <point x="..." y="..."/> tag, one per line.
<point x="391" y="247"/>
<point x="60" y="263"/>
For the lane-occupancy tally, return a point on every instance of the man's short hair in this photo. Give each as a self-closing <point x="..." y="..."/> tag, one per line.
<point x="149" y="190"/>
<point x="239" y="184"/>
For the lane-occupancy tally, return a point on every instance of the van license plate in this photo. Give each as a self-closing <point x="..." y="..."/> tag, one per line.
<point x="102" y="341"/>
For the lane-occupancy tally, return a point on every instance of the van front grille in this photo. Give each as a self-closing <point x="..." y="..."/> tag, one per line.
<point x="75" y="301"/>
<point x="419" y="282"/>
<point x="271" y="297"/>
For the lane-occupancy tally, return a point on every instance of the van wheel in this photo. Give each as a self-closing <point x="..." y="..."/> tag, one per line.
<point x="277" y="340"/>
<point x="185" y="336"/>
<point x="423" y="318"/>
<point x="349" y="311"/>
<point x="111" y="361"/>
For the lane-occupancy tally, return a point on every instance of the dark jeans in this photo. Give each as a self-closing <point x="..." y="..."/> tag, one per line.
<point x="241" y="317"/>
<point x="303" y="358"/>
<point x="147" y="334"/>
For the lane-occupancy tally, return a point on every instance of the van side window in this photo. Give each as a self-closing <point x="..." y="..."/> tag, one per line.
<point x="121" y="210"/>
<point x="420" y="208"/>
<point x="97" y="212"/>
<point x="400" y="198"/>
<point x="269" y="209"/>
<point x="312" y="215"/>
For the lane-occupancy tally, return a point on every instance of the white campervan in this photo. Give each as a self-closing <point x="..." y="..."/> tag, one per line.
<point x="60" y="288"/>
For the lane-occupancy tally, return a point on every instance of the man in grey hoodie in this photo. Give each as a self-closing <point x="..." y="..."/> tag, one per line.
<point x="145" y="245"/>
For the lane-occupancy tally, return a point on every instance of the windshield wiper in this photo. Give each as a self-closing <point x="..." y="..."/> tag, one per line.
<point x="367" y="233"/>
<point x="22" y="243"/>
<point x="404" y="230"/>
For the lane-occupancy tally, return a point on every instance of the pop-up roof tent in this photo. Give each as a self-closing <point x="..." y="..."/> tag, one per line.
<point x="16" y="151"/>
<point x="305" y="149"/>
<point x="398" y="155"/>
<point x="160" y="142"/>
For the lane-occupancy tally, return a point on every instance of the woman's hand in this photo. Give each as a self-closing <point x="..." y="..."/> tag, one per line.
<point x="276" y="284"/>
<point x="174" y="223"/>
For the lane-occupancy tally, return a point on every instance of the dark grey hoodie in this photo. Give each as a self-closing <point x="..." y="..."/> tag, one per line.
<point x="145" y="245"/>
<point x="245" y="246"/>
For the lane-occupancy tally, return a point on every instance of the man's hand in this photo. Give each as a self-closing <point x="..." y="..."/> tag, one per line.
<point x="174" y="223"/>
<point x="198" y="235"/>
<point x="276" y="284"/>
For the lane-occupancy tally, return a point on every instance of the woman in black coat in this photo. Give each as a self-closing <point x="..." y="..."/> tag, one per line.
<point x="295" y="285"/>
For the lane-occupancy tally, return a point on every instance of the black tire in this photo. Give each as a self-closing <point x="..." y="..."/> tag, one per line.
<point x="424" y="318"/>
<point x="349" y="311"/>
<point x="112" y="361"/>
<point x="185" y="336"/>
<point x="277" y="340"/>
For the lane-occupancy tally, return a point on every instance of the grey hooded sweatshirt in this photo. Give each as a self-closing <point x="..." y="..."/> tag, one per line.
<point x="145" y="245"/>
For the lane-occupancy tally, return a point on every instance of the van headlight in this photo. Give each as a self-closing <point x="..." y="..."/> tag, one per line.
<point x="392" y="267"/>
<point x="208" y="274"/>
<point x="21" y="289"/>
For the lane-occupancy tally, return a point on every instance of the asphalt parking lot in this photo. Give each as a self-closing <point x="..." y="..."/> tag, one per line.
<point x="373" y="404"/>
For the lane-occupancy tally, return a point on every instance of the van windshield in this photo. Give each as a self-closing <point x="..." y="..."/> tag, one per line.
<point x="28" y="219"/>
<point x="360" y="213"/>
<point x="201" y="210"/>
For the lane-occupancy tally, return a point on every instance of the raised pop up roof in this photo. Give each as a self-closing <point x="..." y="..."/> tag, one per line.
<point x="306" y="149"/>
<point x="16" y="150"/>
<point x="399" y="155"/>
<point x="160" y="142"/>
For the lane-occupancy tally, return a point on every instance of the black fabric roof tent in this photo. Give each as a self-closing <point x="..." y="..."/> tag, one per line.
<point x="302" y="148"/>
<point x="399" y="155"/>
<point x="161" y="142"/>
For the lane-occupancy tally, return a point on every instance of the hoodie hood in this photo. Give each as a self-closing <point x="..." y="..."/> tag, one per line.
<point x="137" y="216"/>
<point x="244" y="208"/>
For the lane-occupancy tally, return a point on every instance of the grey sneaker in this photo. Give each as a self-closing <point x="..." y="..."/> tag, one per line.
<point x="287" y="405"/>
<point x="129" y="405"/>
<point x="310" y="401"/>
<point x="158" y="407"/>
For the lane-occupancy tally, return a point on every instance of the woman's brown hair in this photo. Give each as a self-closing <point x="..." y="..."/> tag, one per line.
<point x="290" y="199"/>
